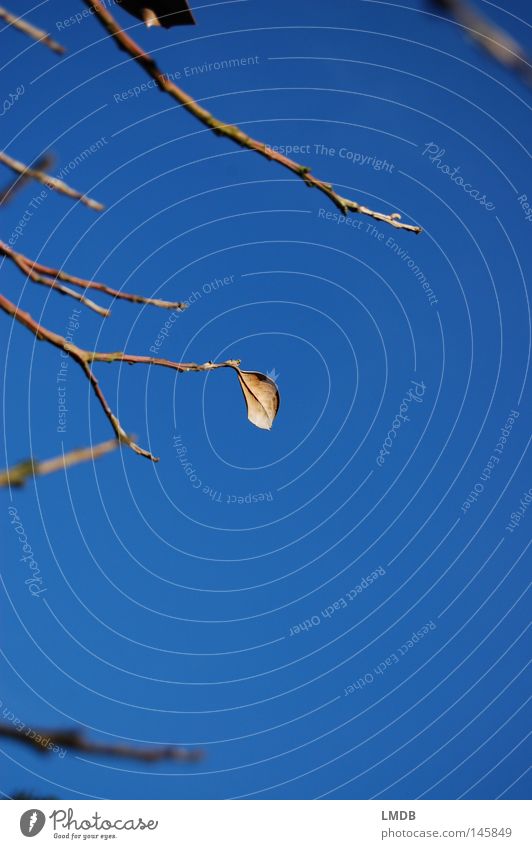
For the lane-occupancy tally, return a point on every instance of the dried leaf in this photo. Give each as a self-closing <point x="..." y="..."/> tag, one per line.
<point x="261" y="396"/>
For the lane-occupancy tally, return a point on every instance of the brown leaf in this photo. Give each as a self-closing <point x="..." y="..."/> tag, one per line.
<point x="261" y="396"/>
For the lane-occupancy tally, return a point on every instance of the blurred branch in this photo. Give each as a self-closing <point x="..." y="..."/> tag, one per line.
<point x="148" y="64"/>
<point x="49" y="181"/>
<point x="32" y="31"/>
<point x="19" y="474"/>
<point x="85" y="358"/>
<point x="18" y="182"/>
<point x="75" y="740"/>
<point x="25" y="794"/>
<point x="493" y="39"/>
<point x="46" y="276"/>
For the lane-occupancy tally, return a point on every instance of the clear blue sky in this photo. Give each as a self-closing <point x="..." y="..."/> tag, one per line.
<point x="170" y="607"/>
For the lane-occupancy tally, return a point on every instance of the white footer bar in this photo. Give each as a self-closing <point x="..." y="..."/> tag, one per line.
<point x="268" y="824"/>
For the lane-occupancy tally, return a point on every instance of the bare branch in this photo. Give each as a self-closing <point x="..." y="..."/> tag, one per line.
<point x="75" y="740"/>
<point x="19" y="474"/>
<point x="46" y="276"/>
<point x="32" y="31"/>
<point x="28" y="270"/>
<point x="126" y="43"/>
<point x="101" y="287"/>
<point x="49" y="181"/>
<point x="83" y="358"/>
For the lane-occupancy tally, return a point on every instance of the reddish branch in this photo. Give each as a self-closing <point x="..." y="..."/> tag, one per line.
<point x="29" y="269"/>
<point x="19" y="474"/>
<point x="46" y="276"/>
<point x="86" y="358"/>
<point x="75" y="740"/>
<point x="148" y="64"/>
<point x="32" y="31"/>
<point x="49" y="181"/>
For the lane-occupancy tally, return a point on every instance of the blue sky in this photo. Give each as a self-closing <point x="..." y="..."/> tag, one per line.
<point x="171" y="610"/>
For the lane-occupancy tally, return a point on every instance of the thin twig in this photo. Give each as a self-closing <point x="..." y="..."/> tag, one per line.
<point x="49" y="276"/>
<point x="101" y="287"/>
<point x="32" y="31"/>
<point x="18" y="475"/>
<point x="126" y="43"/>
<point x="49" y="181"/>
<point x="83" y="358"/>
<point x="29" y="271"/>
<point x="45" y="741"/>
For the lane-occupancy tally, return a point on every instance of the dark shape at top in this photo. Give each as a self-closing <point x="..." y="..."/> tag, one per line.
<point x="160" y="13"/>
<point x="494" y="40"/>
